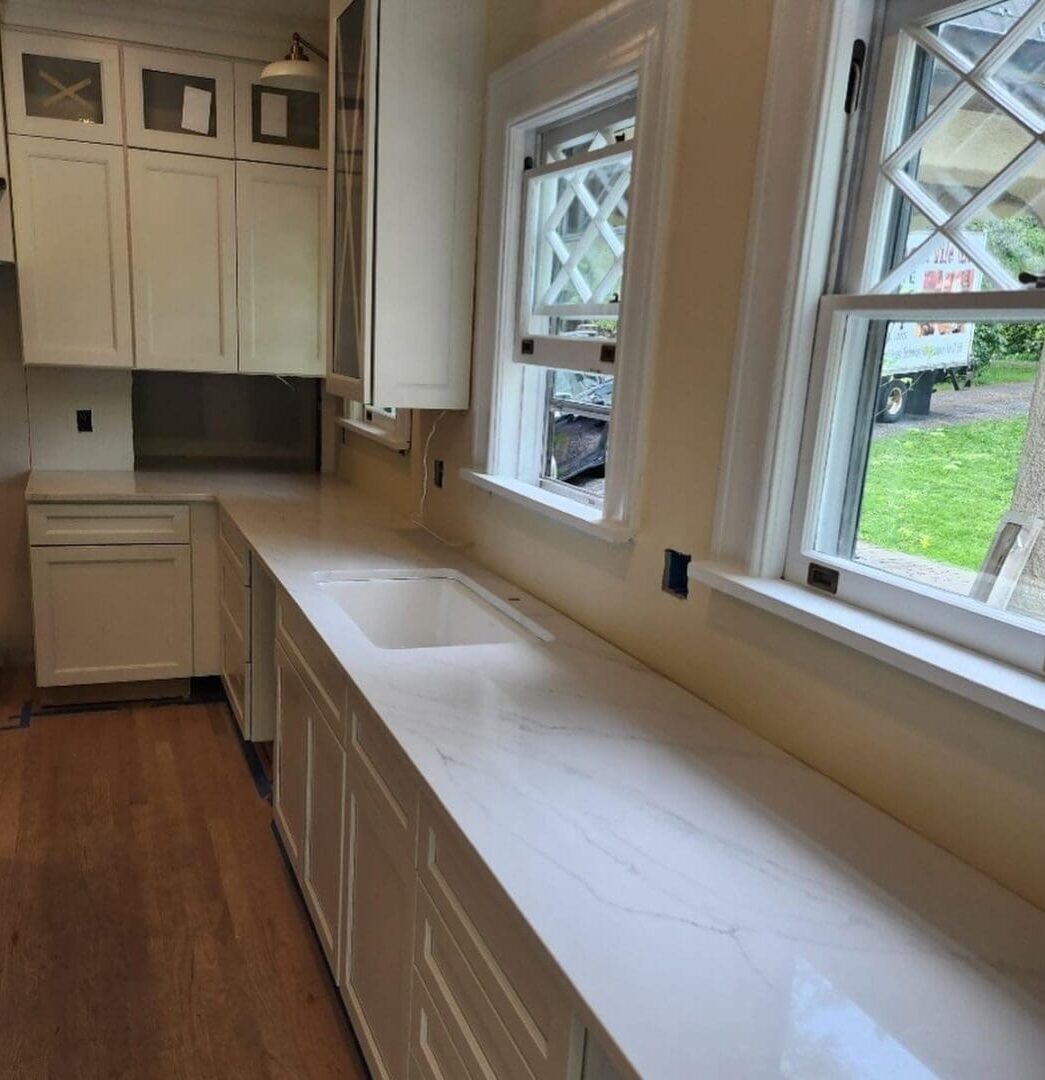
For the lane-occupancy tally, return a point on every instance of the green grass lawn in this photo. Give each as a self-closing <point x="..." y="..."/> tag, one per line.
<point x="940" y="493"/>
<point x="1006" y="371"/>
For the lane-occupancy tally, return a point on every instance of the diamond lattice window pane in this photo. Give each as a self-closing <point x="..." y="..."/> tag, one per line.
<point x="943" y="267"/>
<point x="581" y="224"/>
<point x="975" y="33"/>
<point x="966" y="151"/>
<point x="1013" y="225"/>
<point x="1022" y="76"/>
<point x="933" y="81"/>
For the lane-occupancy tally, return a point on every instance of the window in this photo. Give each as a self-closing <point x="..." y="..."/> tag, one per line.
<point x="383" y="425"/>
<point x="579" y="127"/>
<point x="902" y="440"/>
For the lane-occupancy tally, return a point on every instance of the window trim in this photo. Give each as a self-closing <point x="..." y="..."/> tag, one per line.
<point x="802" y="148"/>
<point x="628" y="40"/>
<point x="393" y="433"/>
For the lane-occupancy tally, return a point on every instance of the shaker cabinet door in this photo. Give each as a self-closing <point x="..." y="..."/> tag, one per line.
<point x="183" y="235"/>
<point x="112" y="614"/>
<point x="69" y="204"/>
<point x="281" y="216"/>
<point x="181" y="102"/>
<point x="284" y="127"/>
<point x="62" y="87"/>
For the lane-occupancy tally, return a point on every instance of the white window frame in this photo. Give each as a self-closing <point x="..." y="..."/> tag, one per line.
<point x="629" y="42"/>
<point x="766" y="466"/>
<point x="375" y="424"/>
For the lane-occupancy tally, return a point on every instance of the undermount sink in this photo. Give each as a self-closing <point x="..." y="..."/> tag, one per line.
<point x="426" y="609"/>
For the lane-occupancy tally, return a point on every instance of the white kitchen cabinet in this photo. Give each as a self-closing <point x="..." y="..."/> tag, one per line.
<point x="234" y="600"/>
<point x="69" y="204"/>
<point x="181" y="102"/>
<point x="403" y="197"/>
<point x="113" y="613"/>
<point x="290" y="790"/>
<point x="183" y="229"/>
<point x="324" y="844"/>
<point x="380" y="883"/>
<point x="62" y="87"/>
<point x="281" y="217"/>
<point x="283" y="127"/>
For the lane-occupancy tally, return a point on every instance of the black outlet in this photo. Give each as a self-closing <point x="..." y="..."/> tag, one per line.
<point x="84" y="420"/>
<point x="438" y="472"/>
<point x="676" y="574"/>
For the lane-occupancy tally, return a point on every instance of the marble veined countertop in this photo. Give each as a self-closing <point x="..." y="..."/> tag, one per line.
<point x="720" y="909"/>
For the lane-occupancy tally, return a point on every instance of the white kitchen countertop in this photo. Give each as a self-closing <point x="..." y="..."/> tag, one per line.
<point x="721" y="909"/>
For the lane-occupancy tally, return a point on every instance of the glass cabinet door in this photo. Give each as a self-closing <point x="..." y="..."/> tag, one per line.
<point x="353" y="32"/>
<point x="179" y="102"/>
<point x="66" y="88"/>
<point x="284" y="127"/>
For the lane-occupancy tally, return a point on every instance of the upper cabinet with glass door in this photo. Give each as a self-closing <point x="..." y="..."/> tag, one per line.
<point x="62" y="87"/>
<point x="179" y="102"/>
<point x="282" y="127"/>
<point x="406" y="90"/>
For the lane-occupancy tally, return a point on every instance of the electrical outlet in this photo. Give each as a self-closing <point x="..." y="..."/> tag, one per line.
<point x="438" y="472"/>
<point x="84" y="421"/>
<point x="676" y="574"/>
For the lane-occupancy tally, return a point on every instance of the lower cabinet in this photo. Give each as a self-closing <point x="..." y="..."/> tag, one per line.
<point x="290" y="773"/>
<point x="441" y="977"/>
<point x="379" y="893"/>
<point x="105" y="614"/>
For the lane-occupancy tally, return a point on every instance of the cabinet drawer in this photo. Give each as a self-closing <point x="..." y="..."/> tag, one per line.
<point x="62" y="524"/>
<point x="472" y="1024"/>
<point x="517" y="975"/>
<point x="235" y="547"/>
<point x="321" y="672"/>
<point x="383" y="765"/>
<point x="432" y="1052"/>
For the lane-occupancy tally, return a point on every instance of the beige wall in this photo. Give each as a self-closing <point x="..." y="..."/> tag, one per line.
<point x="970" y="780"/>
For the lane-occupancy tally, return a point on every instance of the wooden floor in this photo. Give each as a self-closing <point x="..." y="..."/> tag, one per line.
<point x="148" y="926"/>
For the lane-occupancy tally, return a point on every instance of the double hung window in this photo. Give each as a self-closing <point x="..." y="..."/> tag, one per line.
<point x="921" y="489"/>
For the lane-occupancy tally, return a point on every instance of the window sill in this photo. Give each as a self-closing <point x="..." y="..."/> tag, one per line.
<point x="375" y="433"/>
<point x="1016" y="694"/>
<point x="574" y="515"/>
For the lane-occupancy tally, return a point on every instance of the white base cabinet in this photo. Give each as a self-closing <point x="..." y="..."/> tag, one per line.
<point x="119" y="613"/>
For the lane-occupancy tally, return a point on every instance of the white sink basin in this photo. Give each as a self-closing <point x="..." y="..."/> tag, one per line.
<point x="426" y="609"/>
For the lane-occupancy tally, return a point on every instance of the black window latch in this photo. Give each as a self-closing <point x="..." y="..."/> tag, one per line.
<point x="1037" y="280"/>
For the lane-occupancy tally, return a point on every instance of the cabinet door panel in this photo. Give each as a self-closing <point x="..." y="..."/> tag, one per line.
<point x="235" y="672"/>
<point x="95" y="613"/>
<point x="62" y="87"/>
<point x="291" y="772"/>
<point x="325" y="836"/>
<point x="284" y="127"/>
<point x="184" y="238"/>
<point x="380" y="884"/>
<point x="69" y="203"/>
<point x="280" y="215"/>
<point x="180" y="102"/>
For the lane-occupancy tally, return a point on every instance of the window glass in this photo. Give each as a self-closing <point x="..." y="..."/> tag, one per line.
<point x="61" y="88"/>
<point x="968" y="159"/>
<point x="577" y="423"/>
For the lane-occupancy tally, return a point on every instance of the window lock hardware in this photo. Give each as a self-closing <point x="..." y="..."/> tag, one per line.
<point x="855" y="84"/>
<point x="608" y="354"/>
<point x="526" y="346"/>
<point x="823" y="578"/>
<point x="1037" y="280"/>
<point x="527" y="164"/>
<point x="3" y="186"/>
<point x="676" y="574"/>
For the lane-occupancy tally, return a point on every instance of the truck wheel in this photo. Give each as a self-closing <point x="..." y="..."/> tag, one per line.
<point x="892" y="402"/>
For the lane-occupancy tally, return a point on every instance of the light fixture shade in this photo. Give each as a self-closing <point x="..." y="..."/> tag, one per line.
<point x="294" y="74"/>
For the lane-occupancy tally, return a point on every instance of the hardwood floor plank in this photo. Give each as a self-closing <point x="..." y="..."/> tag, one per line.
<point x="148" y="927"/>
